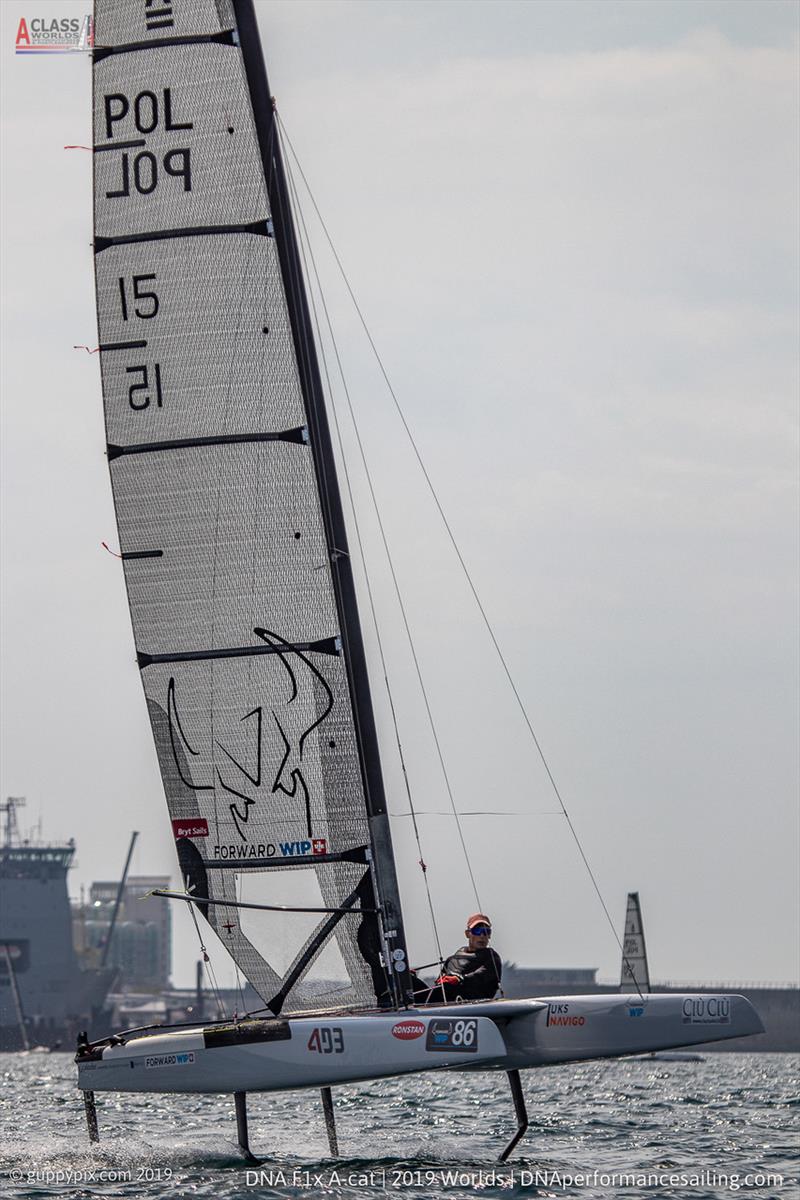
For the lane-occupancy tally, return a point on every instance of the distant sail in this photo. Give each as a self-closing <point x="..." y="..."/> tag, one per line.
<point x="235" y="558"/>
<point x="635" y="976"/>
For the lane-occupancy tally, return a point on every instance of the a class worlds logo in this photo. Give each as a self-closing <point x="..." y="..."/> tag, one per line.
<point x="54" y="35"/>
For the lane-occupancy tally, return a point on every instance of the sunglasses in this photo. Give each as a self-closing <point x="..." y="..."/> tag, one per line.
<point x="481" y="930"/>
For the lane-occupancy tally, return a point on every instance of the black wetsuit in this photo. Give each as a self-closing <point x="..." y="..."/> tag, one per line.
<point x="479" y="971"/>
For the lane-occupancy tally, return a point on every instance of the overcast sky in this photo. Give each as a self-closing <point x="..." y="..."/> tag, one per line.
<point x="573" y="229"/>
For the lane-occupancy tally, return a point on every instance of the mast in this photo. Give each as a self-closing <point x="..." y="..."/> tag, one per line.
<point x="118" y="899"/>
<point x="330" y="498"/>
<point x="12" y="979"/>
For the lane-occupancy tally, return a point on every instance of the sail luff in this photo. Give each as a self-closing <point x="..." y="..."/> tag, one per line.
<point x="330" y="498"/>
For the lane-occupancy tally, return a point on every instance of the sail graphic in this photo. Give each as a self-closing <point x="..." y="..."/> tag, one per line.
<point x="230" y="524"/>
<point x="634" y="976"/>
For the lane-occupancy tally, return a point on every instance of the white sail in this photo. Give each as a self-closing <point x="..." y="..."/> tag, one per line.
<point x="233" y="546"/>
<point x="635" y="976"/>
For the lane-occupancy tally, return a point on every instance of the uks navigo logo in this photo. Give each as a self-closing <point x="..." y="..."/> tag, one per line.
<point x="54" y="35"/>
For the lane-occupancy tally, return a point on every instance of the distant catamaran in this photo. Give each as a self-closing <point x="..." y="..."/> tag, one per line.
<point x="634" y="973"/>
<point x="244" y="609"/>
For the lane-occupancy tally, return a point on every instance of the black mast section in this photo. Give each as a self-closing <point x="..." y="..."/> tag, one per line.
<point x="333" y="517"/>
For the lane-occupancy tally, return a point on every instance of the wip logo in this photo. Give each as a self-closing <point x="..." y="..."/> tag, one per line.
<point x="54" y="35"/>
<point x="301" y="849"/>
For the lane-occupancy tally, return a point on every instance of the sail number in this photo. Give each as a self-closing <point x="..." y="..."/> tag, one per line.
<point x="452" y="1034"/>
<point x="143" y="392"/>
<point x="143" y="172"/>
<point x="133" y="295"/>
<point x="326" y="1040"/>
<point x="145" y="113"/>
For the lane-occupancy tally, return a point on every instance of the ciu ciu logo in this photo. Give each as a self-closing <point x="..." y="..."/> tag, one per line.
<point x="247" y="782"/>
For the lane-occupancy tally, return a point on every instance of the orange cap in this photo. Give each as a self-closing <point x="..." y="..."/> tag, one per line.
<point x="478" y="919"/>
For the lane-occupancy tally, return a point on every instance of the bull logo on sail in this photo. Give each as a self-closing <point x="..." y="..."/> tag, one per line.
<point x="240" y="781"/>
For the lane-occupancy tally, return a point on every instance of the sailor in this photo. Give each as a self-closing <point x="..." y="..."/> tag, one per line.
<point x="473" y="972"/>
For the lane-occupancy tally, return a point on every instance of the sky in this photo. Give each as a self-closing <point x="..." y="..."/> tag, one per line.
<point x="572" y="228"/>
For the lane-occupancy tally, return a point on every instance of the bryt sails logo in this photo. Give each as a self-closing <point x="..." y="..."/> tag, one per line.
<point x="54" y="35"/>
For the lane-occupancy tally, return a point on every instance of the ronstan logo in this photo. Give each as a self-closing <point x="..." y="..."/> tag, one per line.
<point x="406" y="1031"/>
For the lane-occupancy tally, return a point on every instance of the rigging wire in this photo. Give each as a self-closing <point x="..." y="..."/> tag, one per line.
<point x="303" y="231"/>
<point x="394" y="574"/>
<point x="391" y="564"/>
<point x="474" y="812"/>
<point x="207" y="960"/>
<point x="453" y="542"/>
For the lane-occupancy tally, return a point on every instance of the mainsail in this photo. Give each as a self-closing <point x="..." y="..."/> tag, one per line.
<point x="635" y="976"/>
<point x="230" y="523"/>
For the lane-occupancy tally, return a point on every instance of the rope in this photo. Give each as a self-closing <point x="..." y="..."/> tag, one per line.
<point x="238" y="891"/>
<point x="455" y="545"/>
<point x="207" y="960"/>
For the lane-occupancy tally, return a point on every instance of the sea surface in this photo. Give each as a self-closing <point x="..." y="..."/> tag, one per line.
<point x="726" y="1126"/>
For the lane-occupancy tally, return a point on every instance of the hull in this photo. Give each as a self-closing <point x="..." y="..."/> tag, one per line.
<point x="329" y="1049"/>
<point x="576" y="1028"/>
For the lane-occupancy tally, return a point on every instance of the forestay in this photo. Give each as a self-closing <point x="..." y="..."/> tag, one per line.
<point x="237" y="576"/>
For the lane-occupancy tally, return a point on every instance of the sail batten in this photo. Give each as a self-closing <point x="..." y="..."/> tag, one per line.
<point x="218" y="39"/>
<point x="230" y="527"/>
<point x="259" y="228"/>
<point x="322" y="646"/>
<point x="232" y="439"/>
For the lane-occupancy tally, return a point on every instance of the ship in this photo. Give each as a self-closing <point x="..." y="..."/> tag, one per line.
<point x="46" y="992"/>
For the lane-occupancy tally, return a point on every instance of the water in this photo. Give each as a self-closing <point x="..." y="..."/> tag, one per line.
<point x="734" y="1115"/>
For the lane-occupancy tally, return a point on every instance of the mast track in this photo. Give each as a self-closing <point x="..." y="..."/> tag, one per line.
<point x="299" y="436"/>
<point x="262" y="228"/>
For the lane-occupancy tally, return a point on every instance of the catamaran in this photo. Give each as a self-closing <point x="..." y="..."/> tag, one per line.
<point x="244" y="611"/>
<point x="634" y="976"/>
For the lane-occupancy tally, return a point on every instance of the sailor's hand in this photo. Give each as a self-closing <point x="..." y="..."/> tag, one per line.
<point x="454" y="979"/>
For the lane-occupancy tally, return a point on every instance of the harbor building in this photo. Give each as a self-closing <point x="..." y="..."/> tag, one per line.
<point x="141" y="944"/>
<point x="46" y="991"/>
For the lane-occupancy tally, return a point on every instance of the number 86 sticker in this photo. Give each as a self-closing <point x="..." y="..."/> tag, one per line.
<point x="452" y="1034"/>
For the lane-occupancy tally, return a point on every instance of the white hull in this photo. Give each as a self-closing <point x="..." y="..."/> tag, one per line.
<point x="320" y="1051"/>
